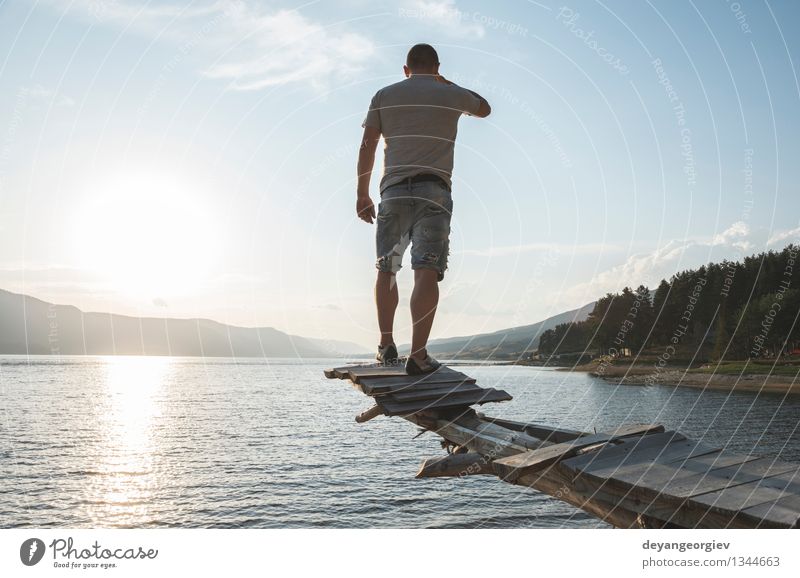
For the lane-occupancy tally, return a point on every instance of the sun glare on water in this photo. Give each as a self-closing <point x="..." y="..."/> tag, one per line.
<point x="146" y="236"/>
<point x="125" y="459"/>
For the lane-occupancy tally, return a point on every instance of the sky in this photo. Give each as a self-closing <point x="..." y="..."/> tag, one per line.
<point x="197" y="159"/>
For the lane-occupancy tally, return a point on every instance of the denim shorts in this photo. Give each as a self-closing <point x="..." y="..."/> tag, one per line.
<point x="417" y="214"/>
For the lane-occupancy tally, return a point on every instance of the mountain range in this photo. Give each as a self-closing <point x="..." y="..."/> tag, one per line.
<point x="509" y="343"/>
<point x="31" y="326"/>
<point x="35" y="327"/>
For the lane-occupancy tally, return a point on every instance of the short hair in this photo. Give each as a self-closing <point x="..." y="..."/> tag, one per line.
<point x="422" y="56"/>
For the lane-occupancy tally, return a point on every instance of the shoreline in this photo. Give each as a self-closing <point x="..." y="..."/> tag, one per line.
<point x="679" y="376"/>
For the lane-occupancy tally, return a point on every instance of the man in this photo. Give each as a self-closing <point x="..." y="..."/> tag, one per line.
<point x="418" y="118"/>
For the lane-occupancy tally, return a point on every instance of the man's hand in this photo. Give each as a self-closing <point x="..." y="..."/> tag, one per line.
<point x="366" y="159"/>
<point x="365" y="209"/>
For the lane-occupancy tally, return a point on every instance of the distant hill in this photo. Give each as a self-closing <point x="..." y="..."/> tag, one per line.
<point x="503" y="344"/>
<point x="32" y="326"/>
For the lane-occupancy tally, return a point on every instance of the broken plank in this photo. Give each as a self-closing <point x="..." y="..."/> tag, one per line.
<point x="455" y="465"/>
<point x="487" y="439"/>
<point x="369" y="414"/>
<point x="341" y="372"/>
<point x="551" y="434"/>
<point x="355" y="374"/>
<point x="638" y="462"/>
<point x="442" y="389"/>
<point x="451" y="400"/>
<point x="611" y="454"/>
<point x="539" y="459"/>
<point x="381" y="385"/>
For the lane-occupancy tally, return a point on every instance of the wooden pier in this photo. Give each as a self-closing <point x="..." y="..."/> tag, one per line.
<point x="636" y="476"/>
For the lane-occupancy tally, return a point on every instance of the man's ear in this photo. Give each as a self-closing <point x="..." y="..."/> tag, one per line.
<point x="406" y="71"/>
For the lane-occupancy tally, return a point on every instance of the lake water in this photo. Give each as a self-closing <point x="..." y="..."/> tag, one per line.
<point x="149" y="442"/>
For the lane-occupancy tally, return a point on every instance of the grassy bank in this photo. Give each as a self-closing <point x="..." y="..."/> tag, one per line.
<point x="756" y="377"/>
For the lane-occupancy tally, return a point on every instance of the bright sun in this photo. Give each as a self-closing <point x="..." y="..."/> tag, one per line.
<point x="147" y="236"/>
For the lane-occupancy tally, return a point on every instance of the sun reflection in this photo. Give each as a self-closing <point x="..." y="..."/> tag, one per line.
<point x="133" y="386"/>
<point x="122" y="486"/>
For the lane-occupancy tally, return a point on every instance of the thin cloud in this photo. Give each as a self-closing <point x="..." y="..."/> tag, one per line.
<point x="792" y="236"/>
<point x="735" y="235"/>
<point x="249" y="45"/>
<point x="734" y="243"/>
<point x="445" y="16"/>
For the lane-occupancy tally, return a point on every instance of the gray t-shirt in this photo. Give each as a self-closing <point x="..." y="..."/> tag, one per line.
<point x="418" y="118"/>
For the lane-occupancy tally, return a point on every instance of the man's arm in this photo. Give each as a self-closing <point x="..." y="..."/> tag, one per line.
<point x="484" y="109"/>
<point x="366" y="160"/>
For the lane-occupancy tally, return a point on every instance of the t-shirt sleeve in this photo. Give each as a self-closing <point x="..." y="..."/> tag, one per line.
<point x="373" y="117"/>
<point x="468" y="102"/>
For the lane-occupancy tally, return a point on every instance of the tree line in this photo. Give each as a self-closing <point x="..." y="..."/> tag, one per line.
<point x="729" y="310"/>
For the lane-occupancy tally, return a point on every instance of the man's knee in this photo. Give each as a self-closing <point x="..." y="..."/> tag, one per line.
<point x="427" y="274"/>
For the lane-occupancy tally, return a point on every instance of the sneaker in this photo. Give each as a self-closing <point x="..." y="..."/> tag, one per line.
<point x="420" y="367"/>
<point x="387" y="354"/>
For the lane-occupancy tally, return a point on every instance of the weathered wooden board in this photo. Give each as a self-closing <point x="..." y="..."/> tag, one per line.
<point x="487" y="439"/>
<point x="444" y="401"/>
<point x="745" y="496"/>
<point x="544" y="433"/>
<point x="615" y="454"/>
<point x="441" y="389"/>
<point x="631" y="451"/>
<point x="785" y="510"/>
<point x="639" y="462"/>
<point x="721" y="478"/>
<point x="355" y="374"/>
<point x="380" y="385"/>
<point x="341" y="372"/>
<point x="455" y="465"/>
<point x="688" y="478"/>
<point x="538" y="459"/>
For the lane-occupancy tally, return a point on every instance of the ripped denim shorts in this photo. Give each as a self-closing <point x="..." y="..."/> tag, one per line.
<point x="417" y="214"/>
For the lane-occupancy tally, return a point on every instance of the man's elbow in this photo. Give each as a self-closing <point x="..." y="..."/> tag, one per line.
<point x="484" y="110"/>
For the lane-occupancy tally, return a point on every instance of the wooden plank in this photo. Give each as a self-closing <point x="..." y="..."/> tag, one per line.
<point x="369" y="414"/>
<point x="440" y="390"/>
<point x="544" y="433"/>
<point x="539" y="459"/>
<point x="609" y="506"/>
<point x="638" y="462"/>
<point x="341" y="372"/>
<point x="785" y="510"/>
<point x="358" y="373"/>
<point x="487" y="439"/>
<point x="722" y="478"/>
<point x="354" y="374"/>
<point x="757" y="492"/>
<point x="451" y="400"/>
<point x="611" y="454"/>
<point x="378" y="385"/>
<point x="680" y="481"/>
<point x="455" y="465"/>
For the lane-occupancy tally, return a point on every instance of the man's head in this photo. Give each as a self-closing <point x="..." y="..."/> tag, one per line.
<point x="421" y="59"/>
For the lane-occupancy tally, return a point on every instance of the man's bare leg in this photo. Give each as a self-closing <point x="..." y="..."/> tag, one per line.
<point x="424" y="300"/>
<point x="386" y="299"/>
